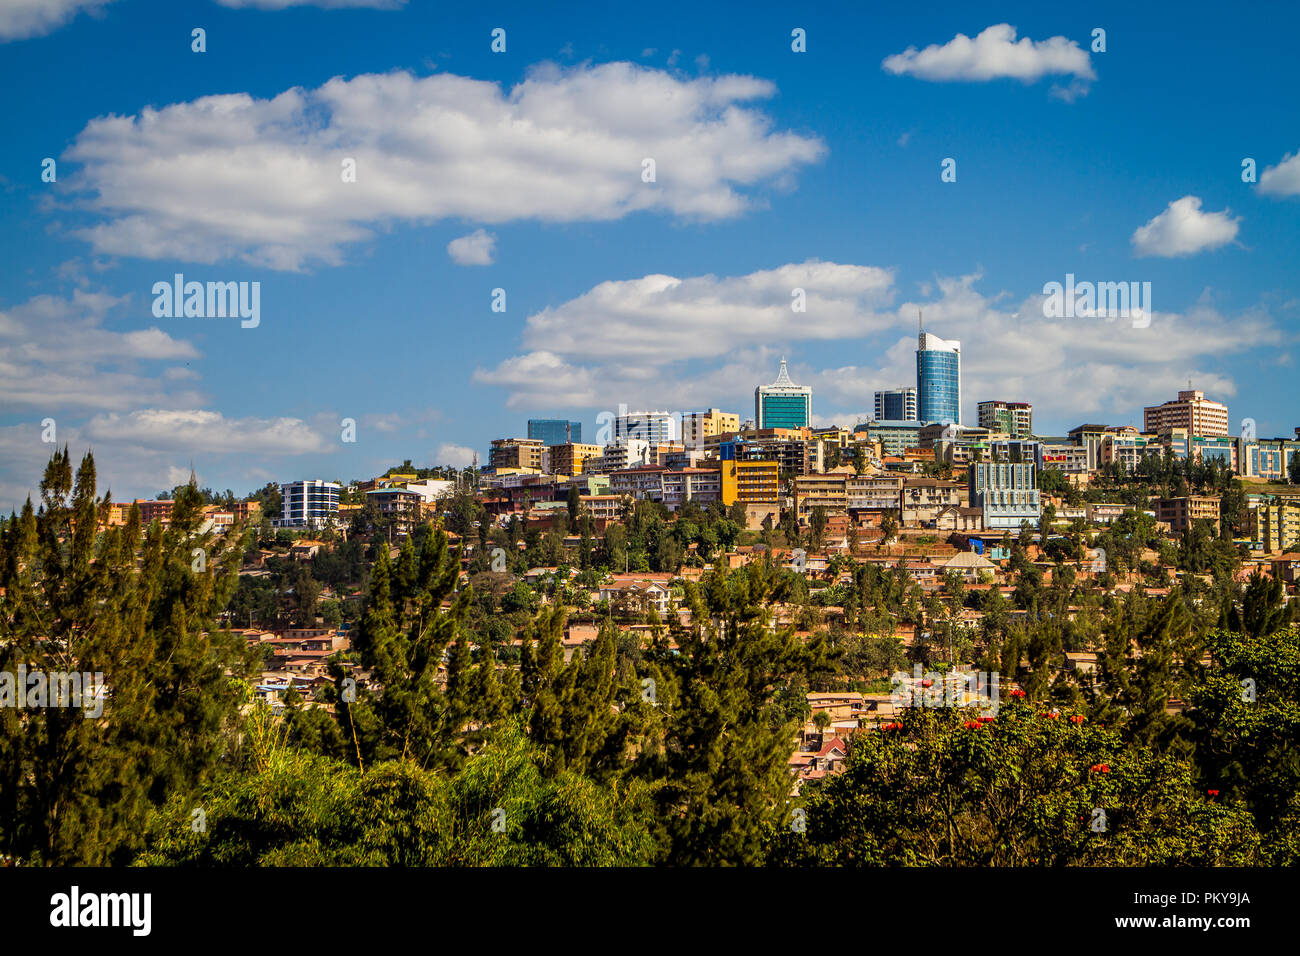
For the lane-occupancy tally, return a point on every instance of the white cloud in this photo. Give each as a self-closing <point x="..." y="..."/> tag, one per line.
<point x="134" y="456"/>
<point x="30" y="18"/>
<point x="1067" y="367"/>
<point x="325" y="4"/>
<point x="630" y="329"/>
<point x="195" y="431"/>
<point x="994" y="54"/>
<point x="1183" y="230"/>
<point x="233" y="176"/>
<point x="542" y="374"/>
<point x="477" y="249"/>
<point x="56" y="354"/>
<point x="1282" y="179"/>
<point x="457" y="456"/>
<point x="660" y="317"/>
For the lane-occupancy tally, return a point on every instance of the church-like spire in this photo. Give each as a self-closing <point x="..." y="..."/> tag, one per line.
<point x="783" y="377"/>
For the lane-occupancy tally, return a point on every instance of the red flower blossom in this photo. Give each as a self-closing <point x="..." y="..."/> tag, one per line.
<point x="1078" y="719"/>
<point x="972" y="724"/>
<point x="1213" y="793"/>
<point x="1017" y="692"/>
<point x="985" y="719"/>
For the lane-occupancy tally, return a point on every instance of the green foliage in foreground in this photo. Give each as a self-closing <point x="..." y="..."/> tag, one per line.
<point x="1026" y="788"/>
<point x="301" y="809"/>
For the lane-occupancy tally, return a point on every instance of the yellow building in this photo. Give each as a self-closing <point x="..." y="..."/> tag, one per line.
<point x="697" y="426"/>
<point x="751" y="482"/>
<point x="523" y="453"/>
<point x="1279" y="525"/>
<point x="567" y="459"/>
<point x="1180" y="513"/>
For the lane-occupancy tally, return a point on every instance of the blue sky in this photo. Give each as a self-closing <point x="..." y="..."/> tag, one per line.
<point x="775" y="170"/>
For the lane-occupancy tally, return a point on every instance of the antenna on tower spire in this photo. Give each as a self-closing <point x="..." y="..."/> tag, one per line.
<point x="919" y="326"/>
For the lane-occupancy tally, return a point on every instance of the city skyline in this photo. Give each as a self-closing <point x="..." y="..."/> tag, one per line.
<point x="673" y="293"/>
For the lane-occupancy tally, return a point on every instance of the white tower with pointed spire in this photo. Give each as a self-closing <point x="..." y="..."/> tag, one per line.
<point x="783" y="404"/>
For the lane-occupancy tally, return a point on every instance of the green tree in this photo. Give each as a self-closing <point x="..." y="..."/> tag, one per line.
<point x="290" y="808"/>
<point x="1027" y="788"/>
<point x="137" y="606"/>
<point x="817" y="526"/>
<point x="722" y="755"/>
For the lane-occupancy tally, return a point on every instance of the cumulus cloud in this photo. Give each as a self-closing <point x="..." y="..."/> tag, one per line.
<point x="994" y="54"/>
<point x="1183" y="230"/>
<point x="234" y="176"/>
<point x="457" y="456"/>
<point x="55" y="353"/>
<point x="543" y="374"/>
<point x="1282" y="179"/>
<point x="477" y="249"/>
<point x="30" y="18"/>
<point x="660" y="315"/>
<point x="203" y="431"/>
<point x="1067" y="367"/>
<point x="630" y="328"/>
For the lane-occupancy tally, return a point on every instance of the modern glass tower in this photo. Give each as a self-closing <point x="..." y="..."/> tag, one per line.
<point x="938" y="379"/>
<point x="555" y="431"/>
<point x="783" y="404"/>
<point x="896" y="404"/>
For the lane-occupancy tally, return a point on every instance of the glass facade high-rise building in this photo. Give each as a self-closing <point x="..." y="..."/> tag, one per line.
<point x="896" y="404"/>
<point x="555" y="431"/>
<point x="938" y="379"/>
<point x="783" y="404"/>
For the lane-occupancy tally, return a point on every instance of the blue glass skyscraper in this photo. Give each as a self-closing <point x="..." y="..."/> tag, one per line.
<point x="938" y="379"/>
<point x="553" y="431"/>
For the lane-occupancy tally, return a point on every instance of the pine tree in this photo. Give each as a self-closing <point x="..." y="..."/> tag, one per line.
<point x="78" y="785"/>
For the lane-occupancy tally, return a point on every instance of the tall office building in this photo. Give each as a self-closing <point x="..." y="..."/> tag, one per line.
<point x="1192" y="411"/>
<point x="938" y="379"/>
<point x="783" y="404"/>
<point x="896" y="404"/>
<point x="1014" y="419"/>
<point x="555" y="431"/>
<point x="653" y="427"/>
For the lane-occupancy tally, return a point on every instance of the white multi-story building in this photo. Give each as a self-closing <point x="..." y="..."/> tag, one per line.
<point x="619" y="454"/>
<point x="701" y="485"/>
<point x="1007" y="492"/>
<point x="653" y="427"/>
<point x="308" y="504"/>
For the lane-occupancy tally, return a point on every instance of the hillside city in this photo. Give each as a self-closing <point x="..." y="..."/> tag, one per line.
<point x="907" y="565"/>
